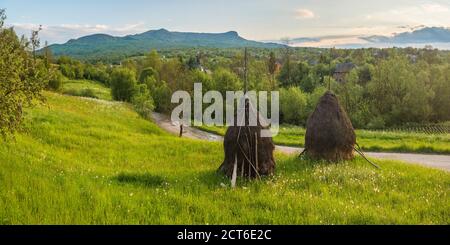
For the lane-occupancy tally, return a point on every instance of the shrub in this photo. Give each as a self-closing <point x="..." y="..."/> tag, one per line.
<point x="123" y="84"/>
<point x="88" y="93"/>
<point x="162" y="95"/>
<point x="143" y="102"/>
<point x="56" y="80"/>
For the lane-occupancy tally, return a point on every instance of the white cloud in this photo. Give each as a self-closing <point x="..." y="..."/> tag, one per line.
<point x="434" y="8"/>
<point x="304" y="14"/>
<point x="64" y="32"/>
<point x="424" y="14"/>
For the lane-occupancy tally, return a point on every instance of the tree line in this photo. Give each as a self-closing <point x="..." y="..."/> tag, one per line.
<point x="384" y="87"/>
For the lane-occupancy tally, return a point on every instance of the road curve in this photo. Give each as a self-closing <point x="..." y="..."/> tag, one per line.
<point x="429" y="160"/>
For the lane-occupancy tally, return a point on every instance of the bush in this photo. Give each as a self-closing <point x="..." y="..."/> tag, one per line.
<point x="143" y="102"/>
<point x="123" y="84"/>
<point x="88" y="93"/>
<point x="293" y="103"/>
<point x="56" y="80"/>
<point x="162" y="95"/>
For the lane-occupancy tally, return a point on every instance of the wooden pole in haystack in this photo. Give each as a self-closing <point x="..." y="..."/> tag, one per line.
<point x="247" y="154"/>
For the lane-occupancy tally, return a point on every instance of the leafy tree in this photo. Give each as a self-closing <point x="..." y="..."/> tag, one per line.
<point x="123" y="84"/>
<point x="48" y="56"/>
<point x="22" y="78"/>
<point x="205" y="79"/>
<point x="148" y="72"/>
<point x="365" y="74"/>
<point x="313" y="99"/>
<point x="440" y="85"/>
<point x="397" y="95"/>
<point x="162" y="95"/>
<point x="351" y="96"/>
<point x="173" y="73"/>
<point x="143" y="102"/>
<point x="153" y="60"/>
<point x="226" y="81"/>
<point x="293" y="105"/>
<point x="272" y="67"/>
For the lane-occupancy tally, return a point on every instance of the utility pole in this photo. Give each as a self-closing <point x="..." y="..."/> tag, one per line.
<point x="246" y="102"/>
<point x="329" y="69"/>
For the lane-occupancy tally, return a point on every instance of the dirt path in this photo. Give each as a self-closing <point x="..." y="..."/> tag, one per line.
<point x="430" y="160"/>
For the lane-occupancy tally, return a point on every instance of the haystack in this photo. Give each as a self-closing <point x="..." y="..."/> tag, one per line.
<point x="252" y="153"/>
<point x="329" y="132"/>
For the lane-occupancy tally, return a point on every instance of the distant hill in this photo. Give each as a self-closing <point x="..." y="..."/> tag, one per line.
<point x="102" y="45"/>
<point x="425" y="35"/>
<point x="438" y="37"/>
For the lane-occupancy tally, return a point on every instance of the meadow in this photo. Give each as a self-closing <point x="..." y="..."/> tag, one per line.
<point x="374" y="141"/>
<point x="86" y="88"/>
<point x="88" y="161"/>
<point x="290" y="135"/>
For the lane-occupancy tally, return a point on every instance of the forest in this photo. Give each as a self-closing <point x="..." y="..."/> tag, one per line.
<point x="379" y="88"/>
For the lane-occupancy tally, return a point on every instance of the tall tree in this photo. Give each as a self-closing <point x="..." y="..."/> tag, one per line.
<point x="287" y="59"/>
<point x="272" y="66"/>
<point x="48" y="55"/>
<point x="22" y="78"/>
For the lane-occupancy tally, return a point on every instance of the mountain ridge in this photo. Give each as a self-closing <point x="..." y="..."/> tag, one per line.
<point x="424" y="35"/>
<point x="101" y="45"/>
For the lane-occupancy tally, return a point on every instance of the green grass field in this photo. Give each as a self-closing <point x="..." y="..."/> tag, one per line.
<point x="377" y="141"/>
<point x="84" y="161"/>
<point x="83" y="87"/>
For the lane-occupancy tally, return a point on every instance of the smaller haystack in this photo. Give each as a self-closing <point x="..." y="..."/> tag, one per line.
<point x="252" y="153"/>
<point x="329" y="132"/>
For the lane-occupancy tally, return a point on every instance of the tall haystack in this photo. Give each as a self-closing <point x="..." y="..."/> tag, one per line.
<point x="252" y="153"/>
<point x="329" y="132"/>
<point x="247" y="154"/>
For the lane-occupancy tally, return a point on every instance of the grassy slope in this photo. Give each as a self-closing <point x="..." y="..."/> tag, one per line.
<point x="77" y="87"/>
<point x="84" y="161"/>
<point x="368" y="140"/>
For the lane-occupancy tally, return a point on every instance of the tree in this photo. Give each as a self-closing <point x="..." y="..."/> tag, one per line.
<point x="48" y="55"/>
<point x="143" y="102"/>
<point x="148" y="72"/>
<point x="351" y="96"/>
<point x="286" y="78"/>
<point x="162" y="95"/>
<point x="226" y="81"/>
<point x="123" y="84"/>
<point x="22" y="78"/>
<point x="398" y="92"/>
<point x="440" y="84"/>
<point x="153" y="60"/>
<point x="293" y="105"/>
<point x="272" y="67"/>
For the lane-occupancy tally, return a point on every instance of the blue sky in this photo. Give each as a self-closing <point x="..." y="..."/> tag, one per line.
<point x="253" y="19"/>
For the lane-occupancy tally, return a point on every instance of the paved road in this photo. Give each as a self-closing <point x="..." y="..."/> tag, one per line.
<point x="430" y="160"/>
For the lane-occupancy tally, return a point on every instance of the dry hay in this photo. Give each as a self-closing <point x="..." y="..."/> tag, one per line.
<point x="329" y="132"/>
<point x="252" y="153"/>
